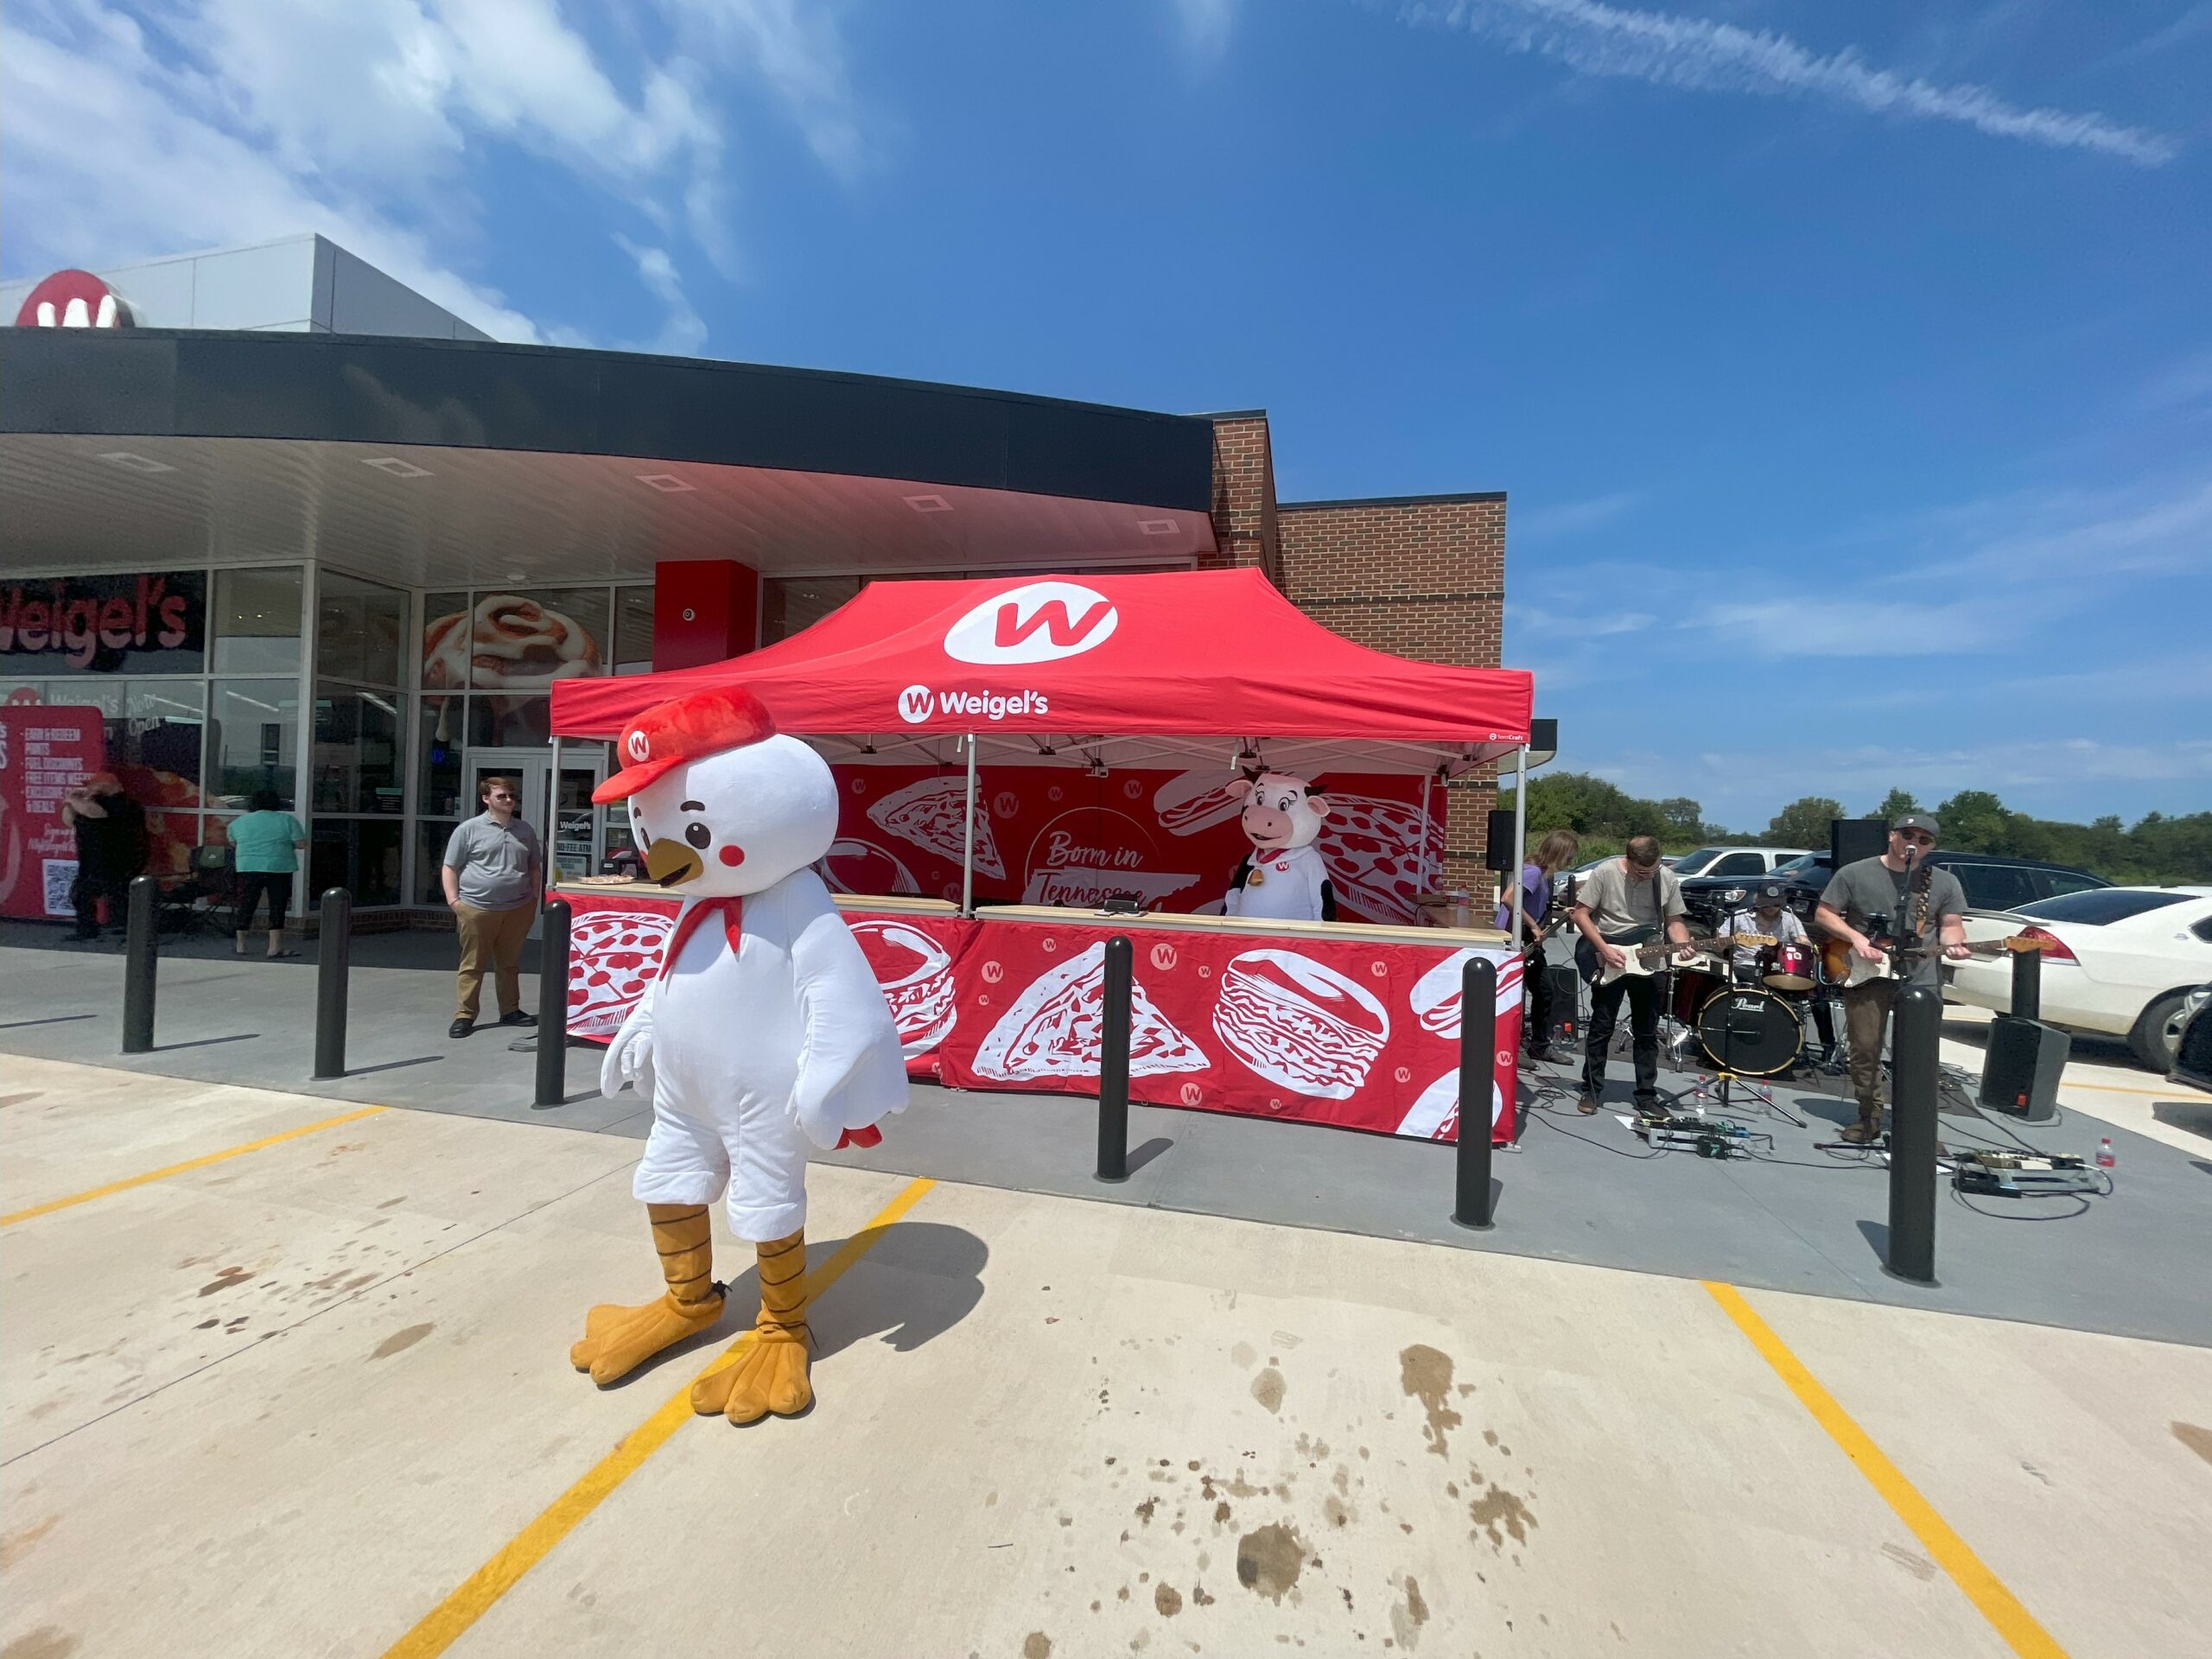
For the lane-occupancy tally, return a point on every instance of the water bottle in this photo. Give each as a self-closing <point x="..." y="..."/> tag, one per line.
<point x="2106" y="1158"/>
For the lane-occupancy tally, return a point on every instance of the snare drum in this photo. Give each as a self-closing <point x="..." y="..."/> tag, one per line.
<point x="1794" y="966"/>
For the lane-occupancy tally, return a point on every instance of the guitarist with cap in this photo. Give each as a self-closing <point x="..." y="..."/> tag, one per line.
<point x="1625" y="902"/>
<point x="1897" y="914"/>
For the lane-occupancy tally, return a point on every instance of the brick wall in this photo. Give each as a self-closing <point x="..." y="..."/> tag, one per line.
<point x="1417" y="576"/>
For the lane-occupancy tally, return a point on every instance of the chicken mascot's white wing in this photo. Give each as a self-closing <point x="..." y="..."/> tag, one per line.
<point x="851" y="1071"/>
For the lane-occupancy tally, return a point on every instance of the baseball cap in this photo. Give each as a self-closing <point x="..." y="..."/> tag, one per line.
<point x="668" y="734"/>
<point x="1767" y="892"/>
<point x="1919" y="820"/>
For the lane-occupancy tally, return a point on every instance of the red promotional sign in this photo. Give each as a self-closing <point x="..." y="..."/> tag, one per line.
<point x="1171" y="840"/>
<point x="1318" y="1030"/>
<point x="44" y="750"/>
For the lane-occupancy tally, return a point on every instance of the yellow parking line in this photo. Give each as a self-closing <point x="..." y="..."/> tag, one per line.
<point x="1983" y="1588"/>
<point x="450" y="1619"/>
<point x="2179" y="1091"/>
<point x="163" y="1174"/>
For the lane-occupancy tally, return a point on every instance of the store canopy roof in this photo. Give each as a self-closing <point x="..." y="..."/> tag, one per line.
<point x="1120" y="670"/>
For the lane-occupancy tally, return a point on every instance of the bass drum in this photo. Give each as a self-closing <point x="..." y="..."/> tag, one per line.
<point x="1750" y="1031"/>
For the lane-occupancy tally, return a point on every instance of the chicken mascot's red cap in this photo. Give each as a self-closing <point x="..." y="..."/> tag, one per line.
<point x="668" y="734"/>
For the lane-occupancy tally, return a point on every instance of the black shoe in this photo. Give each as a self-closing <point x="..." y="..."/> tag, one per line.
<point x="1542" y="1055"/>
<point x="460" y="1027"/>
<point x="1587" y="1105"/>
<point x="517" y="1018"/>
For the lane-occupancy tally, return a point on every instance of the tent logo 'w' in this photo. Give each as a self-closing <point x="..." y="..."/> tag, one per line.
<point x="1037" y="622"/>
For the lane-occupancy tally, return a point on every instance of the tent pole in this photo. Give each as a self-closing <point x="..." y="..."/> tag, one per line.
<point x="1519" y="837"/>
<point x="552" y="870"/>
<point x="967" y="838"/>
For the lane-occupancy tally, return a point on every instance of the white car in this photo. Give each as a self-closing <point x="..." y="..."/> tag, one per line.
<point x="1734" y="861"/>
<point x="2120" y="962"/>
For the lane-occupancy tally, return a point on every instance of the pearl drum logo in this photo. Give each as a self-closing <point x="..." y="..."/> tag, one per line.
<point x="74" y="299"/>
<point x="1037" y="622"/>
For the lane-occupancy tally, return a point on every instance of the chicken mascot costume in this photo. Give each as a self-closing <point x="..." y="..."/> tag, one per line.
<point x="1282" y="878"/>
<point x="765" y="1033"/>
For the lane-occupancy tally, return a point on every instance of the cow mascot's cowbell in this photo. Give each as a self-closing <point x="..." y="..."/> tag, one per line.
<point x="764" y="1034"/>
<point x="1282" y="878"/>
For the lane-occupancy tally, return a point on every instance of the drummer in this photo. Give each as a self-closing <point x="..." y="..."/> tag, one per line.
<point x="1766" y="915"/>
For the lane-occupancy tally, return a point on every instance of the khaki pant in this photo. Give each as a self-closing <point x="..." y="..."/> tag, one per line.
<point x="493" y="937"/>
<point x="1867" y="1017"/>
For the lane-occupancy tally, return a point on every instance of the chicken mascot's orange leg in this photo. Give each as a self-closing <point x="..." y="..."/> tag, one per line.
<point x="770" y="1372"/>
<point x="618" y="1339"/>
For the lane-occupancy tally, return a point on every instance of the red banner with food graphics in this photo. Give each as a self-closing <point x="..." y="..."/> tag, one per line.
<point x="1344" y="1030"/>
<point x="45" y="750"/>
<point x="1170" y="840"/>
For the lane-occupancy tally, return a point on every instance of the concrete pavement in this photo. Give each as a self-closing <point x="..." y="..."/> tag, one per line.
<point x="291" y="1402"/>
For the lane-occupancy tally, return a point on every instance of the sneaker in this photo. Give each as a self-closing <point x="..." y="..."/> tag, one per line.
<point x="460" y="1027"/>
<point x="1542" y="1055"/>
<point x="1864" y="1133"/>
<point x="517" y="1018"/>
<point x="1587" y="1105"/>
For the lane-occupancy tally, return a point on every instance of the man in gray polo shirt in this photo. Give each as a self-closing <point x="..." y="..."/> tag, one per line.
<point x="493" y="867"/>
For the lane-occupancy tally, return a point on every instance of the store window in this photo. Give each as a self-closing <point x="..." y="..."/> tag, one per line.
<point x="789" y="604"/>
<point x="358" y="629"/>
<point x="633" y="630"/>
<point x="430" y="837"/>
<point x="356" y="760"/>
<point x="257" y="621"/>
<point x="507" y="722"/>
<point x="253" y="741"/>
<point x="360" y="854"/>
<point x="514" y="640"/>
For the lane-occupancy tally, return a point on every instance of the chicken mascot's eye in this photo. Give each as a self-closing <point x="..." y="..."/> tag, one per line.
<point x="698" y="835"/>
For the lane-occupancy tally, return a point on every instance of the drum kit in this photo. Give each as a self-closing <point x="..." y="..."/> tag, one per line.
<point x="1741" y="1001"/>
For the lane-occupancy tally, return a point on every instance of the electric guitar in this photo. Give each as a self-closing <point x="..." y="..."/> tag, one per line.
<point x="1846" y="968"/>
<point x="1644" y="951"/>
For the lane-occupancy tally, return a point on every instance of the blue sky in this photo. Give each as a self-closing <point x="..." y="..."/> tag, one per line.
<point x="1849" y="366"/>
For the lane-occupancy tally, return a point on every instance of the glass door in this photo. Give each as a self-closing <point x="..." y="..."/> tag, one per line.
<point x="579" y="828"/>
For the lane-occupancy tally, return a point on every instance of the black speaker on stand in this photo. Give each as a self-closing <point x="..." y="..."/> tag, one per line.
<point x="1499" y="854"/>
<point x="1853" y="839"/>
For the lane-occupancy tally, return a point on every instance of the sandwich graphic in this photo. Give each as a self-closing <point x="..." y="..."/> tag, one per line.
<point x="1435" y="997"/>
<point x="1300" y="1024"/>
<point x="1196" y="800"/>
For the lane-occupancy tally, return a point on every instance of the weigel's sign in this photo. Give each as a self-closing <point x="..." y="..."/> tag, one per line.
<point x="74" y="299"/>
<point x="1037" y="622"/>
<point x="153" y="623"/>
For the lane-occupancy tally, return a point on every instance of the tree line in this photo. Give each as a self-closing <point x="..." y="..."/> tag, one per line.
<point x="2155" y="849"/>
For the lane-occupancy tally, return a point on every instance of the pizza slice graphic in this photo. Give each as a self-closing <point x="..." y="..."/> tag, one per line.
<point x="928" y="815"/>
<point x="1379" y="860"/>
<point x="1053" y="1029"/>
<point x="613" y="958"/>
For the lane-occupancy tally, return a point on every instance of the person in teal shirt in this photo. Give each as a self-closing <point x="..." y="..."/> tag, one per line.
<point x="266" y="841"/>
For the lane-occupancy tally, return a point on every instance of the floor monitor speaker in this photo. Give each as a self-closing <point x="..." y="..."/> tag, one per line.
<point x="1567" y="1007"/>
<point x="2020" y="1072"/>
<point x="1853" y="839"/>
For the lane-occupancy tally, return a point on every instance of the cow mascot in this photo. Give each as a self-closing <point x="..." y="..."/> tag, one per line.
<point x="1282" y="878"/>
<point x="764" y="1034"/>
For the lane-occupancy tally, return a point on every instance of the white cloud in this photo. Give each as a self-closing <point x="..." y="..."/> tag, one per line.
<point x="1697" y="53"/>
<point x="223" y="121"/>
<point x="1532" y="618"/>
<point x="1206" y="27"/>
<point x="684" y="331"/>
<point x="1572" y="518"/>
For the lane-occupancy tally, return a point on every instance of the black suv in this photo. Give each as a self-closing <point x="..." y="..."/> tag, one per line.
<point x="1991" y="883"/>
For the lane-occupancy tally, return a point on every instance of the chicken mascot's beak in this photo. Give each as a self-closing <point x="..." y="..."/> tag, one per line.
<point x="671" y="863"/>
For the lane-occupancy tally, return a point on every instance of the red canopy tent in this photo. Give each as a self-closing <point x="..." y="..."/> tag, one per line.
<point x="1130" y="669"/>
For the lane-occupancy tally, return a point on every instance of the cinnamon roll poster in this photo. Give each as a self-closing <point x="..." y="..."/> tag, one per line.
<point x="514" y="646"/>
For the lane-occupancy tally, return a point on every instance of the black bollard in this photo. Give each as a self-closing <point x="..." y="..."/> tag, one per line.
<point x="1477" y="1076"/>
<point x="553" y="1006"/>
<point x="334" y="960"/>
<point x="1916" y="1027"/>
<point x="1113" y="1064"/>
<point x="2027" y="984"/>
<point x="139" y="937"/>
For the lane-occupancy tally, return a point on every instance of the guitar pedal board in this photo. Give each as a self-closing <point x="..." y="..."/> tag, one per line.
<point x="2024" y="1175"/>
<point x="1708" y="1137"/>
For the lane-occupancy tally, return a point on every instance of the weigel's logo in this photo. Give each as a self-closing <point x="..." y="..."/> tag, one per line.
<point x="918" y="703"/>
<point x="914" y="704"/>
<point x="1037" y="622"/>
<point x="641" y="746"/>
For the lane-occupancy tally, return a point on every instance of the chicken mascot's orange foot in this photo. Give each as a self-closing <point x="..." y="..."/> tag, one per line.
<point x="763" y="1035"/>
